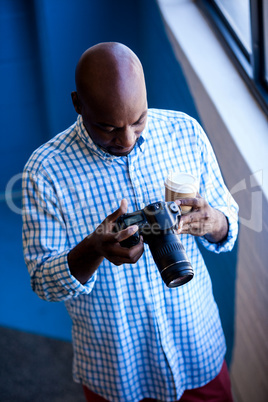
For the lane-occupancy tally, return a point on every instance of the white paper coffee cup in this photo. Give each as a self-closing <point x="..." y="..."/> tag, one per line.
<point x="180" y="185"/>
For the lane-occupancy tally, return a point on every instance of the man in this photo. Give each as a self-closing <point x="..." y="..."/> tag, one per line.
<point x="133" y="337"/>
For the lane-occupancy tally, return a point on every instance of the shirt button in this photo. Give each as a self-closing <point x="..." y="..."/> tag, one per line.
<point x="131" y="168"/>
<point x="142" y="205"/>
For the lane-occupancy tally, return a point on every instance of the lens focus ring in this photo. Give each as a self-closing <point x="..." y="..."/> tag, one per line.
<point x="168" y="249"/>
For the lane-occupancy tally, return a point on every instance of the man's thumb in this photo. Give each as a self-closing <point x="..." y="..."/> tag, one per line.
<point x="120" y="211"/>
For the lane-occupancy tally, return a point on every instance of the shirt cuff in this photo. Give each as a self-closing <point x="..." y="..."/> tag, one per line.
<point x="57" y="282"/>
<point x="69" y="282"/>
<point x="228" y="243"/>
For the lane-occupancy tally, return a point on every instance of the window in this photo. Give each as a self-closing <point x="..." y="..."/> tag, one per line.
<point x="242" y="26"/>
<point x="265" y="33"/>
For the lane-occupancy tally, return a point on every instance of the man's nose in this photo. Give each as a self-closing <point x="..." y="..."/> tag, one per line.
<point x="126" y="137"/>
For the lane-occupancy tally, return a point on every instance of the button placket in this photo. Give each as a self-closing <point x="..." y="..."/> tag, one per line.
<point x="134" y="178"/>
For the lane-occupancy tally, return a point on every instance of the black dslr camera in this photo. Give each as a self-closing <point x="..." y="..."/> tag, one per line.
<point x="158" y="223"/>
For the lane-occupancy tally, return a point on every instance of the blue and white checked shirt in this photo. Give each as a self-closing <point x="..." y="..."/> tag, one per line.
<point x="133" y="336"/>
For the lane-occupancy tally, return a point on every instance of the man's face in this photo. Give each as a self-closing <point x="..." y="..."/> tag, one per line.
<point x="114" y="112"/>
<point x="115" y="127"/>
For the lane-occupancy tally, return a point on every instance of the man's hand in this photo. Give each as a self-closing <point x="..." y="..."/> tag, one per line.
<point x="86" y="257"/>
<point x="203" y="220"/>
<point x="106" y="242"/>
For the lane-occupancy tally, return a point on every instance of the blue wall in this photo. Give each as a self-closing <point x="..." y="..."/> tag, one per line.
<point x="41" y="42"/>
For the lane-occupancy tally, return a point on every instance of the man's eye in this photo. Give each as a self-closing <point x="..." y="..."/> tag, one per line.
<point x="139" y="122"/>
<point x="107" y="129"/>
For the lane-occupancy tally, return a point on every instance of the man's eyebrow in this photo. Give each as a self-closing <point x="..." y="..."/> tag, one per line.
<point x="105" y="125"/>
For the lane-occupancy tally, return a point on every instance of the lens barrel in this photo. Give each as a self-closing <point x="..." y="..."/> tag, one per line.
<point x="171" y="259"/>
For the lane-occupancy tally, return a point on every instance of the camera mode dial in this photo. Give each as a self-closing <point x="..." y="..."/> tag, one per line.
<point x="174" y="207"/>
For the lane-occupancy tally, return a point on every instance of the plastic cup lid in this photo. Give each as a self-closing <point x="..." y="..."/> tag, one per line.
<point x="181" y="182"/>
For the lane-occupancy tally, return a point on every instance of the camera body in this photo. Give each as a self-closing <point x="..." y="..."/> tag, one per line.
<point x="152" y="220"/>
<point x="158" y="223"/>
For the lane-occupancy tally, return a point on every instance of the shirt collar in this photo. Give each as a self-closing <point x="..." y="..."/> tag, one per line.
<point x="86" y="139"/>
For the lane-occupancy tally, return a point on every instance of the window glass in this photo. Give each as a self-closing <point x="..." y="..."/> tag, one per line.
<point x="237" y="13"/>
<point x="240" y="23"/>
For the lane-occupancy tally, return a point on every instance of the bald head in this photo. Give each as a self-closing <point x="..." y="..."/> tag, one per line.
<point x="111" y="96"/>
<point x="108" y="69"/>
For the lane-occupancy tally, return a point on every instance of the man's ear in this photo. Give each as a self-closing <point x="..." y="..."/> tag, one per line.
<point x="76" y="102"/>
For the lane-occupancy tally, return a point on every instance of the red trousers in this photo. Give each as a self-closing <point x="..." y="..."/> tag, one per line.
<point x="217" y="390"/>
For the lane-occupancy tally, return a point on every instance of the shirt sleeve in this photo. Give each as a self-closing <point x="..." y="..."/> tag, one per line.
<point x="45" y="242"/>
<point x="214" y="190"/>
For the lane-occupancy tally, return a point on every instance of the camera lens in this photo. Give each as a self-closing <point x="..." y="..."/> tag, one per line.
<point x="171" y="259"/>
<point x="177" y="274"/>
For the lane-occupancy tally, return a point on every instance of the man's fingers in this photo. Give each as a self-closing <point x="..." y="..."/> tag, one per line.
<point x="180" y="227"/>
<point x="196" y="203"/>
<point x="125" y="233"/>
<point x="120" y="255"/>
<point x="191" y="202"/>
<point x="115" y="237"/>
<point x="120" y="211"/>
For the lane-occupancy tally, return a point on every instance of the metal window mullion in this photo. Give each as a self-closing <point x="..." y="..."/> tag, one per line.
<point x="257" y="56"/>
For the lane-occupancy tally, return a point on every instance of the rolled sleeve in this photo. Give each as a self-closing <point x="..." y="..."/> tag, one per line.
<point x="229" y="241"/>
<point x="46" y="244"/>
<point x="53" y="281"/>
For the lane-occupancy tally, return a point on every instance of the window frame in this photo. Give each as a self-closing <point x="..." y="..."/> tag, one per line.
<point x="250" y="66"/>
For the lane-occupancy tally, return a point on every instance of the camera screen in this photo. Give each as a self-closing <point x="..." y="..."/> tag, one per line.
<point x="133" y="219"/>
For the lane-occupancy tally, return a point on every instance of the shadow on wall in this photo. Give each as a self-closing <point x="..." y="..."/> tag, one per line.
<point x="39" y="52"/>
